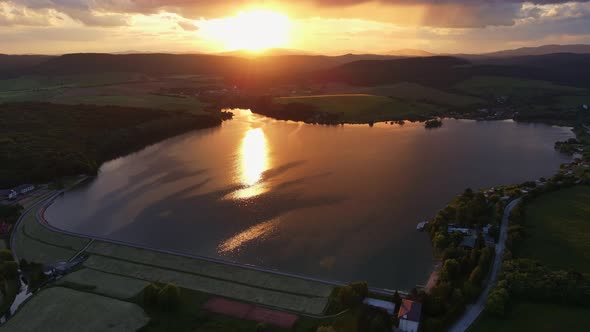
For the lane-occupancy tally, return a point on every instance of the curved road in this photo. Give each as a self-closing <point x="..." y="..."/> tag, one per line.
<point x="473" y="311"/>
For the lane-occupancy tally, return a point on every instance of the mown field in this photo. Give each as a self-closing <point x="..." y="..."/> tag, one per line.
<point x="497" y="86"/>
<point x="538" y="317"/>
<point x="410" y="92"/>
<point x="558" y="229"/>
<point x="62" y="309"/>
<point x="191" y="105"/>
<point x="365" y="107"/>
<point x="117" y="89"/>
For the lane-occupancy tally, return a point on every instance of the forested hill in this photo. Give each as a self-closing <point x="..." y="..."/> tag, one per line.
<point x="564" y="68"/>
<point x="443" y="71"/>
<point x="437" y="70"/>
<point x="41" y="141"/>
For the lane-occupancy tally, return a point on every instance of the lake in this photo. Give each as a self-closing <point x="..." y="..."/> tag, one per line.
<point x="337" y="202"/>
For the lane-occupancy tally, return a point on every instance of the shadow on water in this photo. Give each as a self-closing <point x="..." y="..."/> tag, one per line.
<point x="203" y="220"/>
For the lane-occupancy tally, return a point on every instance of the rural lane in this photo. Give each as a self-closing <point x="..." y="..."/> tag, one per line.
<point x="474" y="310"/>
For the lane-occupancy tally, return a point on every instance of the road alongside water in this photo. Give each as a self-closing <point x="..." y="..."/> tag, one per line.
<point x="474" y="310"/>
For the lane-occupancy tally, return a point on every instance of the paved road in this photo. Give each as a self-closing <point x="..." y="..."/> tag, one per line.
<point x="35" y="205"/>
<point x="473" y="311"/>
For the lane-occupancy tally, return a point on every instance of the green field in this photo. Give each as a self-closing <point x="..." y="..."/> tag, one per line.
<point x="496" y="86"/>
<point x="63" y="309"/>
<point x="111" y="285"/>
<point x="35" y="82"/>
<point x="419" y="93"/>
<point x="538" y="317"/>
<point x="365" y="107"/>
<point x="558" y="229"/>
<point x="146" y="101"/>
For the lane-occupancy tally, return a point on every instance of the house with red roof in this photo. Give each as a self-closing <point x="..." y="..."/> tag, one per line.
<point x="409" y="316"/>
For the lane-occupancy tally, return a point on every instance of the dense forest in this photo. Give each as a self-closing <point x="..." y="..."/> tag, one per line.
<point x="42" y="141"/>
<point x="563" y="68"/>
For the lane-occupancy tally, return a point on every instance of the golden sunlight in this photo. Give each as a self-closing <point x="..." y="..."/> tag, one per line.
<point x="255" y="232"/>
<point x="254" y="30"/>
<point x="254" y="158"/>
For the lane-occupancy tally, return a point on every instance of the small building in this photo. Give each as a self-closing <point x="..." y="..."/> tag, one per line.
<point x="585" y="107"/>
<point x="469" y="241"/>
<point x="386" y="306"/>
<point x="452" y="229"/>
<point x="4" y="193"/>
<point x="409" y="315"/>
<point x="23" y="189"/>
<point x="12" y="194"/>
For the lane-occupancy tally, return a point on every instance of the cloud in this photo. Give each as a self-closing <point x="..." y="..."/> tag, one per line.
<point x="430" y="13"/>
<point x="87" y="12"/>
<point x="188" y="25"/>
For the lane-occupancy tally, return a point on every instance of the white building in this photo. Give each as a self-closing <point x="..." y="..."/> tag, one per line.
<point x="386" y="306"/>
<point x="24" y="188"/>
<point x="409" y="316"/>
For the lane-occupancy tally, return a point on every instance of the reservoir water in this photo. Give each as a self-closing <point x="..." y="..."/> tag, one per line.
<point x="337" y="202"/>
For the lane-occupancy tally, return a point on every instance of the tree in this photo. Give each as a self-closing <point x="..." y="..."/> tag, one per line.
<point x="261" y="327"/>
<point x="440" y="241"/>
<point x="497" y="302"/>
<point x="326" y="329"/>
<point x="450" y="270"/>
<point x="353" y="294"/>
<point x="476" y="276"/>
<point x="150" y="294"/>
<point x="6" y="255"/>
<point x="169" y="297"/>
<point x="9" y="269"/>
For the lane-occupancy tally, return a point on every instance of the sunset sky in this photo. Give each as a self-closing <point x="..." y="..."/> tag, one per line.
<point x="318" y="26"/>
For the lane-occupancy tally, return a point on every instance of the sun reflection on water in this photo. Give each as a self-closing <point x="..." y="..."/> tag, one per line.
<point x="253" y="156"/>
<point x="253" y="162"/>
<point x="259" y="231"/>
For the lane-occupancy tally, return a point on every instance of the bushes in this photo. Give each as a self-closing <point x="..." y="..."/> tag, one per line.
<point x="497" y="302"/>
<point x="10" y="213"/>
<point x="164" y="297"/>
<point x="353" y="294"/>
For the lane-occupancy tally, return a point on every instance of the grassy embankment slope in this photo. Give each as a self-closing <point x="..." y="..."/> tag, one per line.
<point x="557" y="235"/>
<point x="118" y="274"/>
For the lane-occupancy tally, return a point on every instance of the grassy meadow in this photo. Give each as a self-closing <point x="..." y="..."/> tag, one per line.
<point x="538" y="317"/>
<point x="365" y="107"/>
<point x="169" y="103"/>
<point x="112" y="89"/>
<point x="497" y="86"/>
<point x="558" y="229"/>
<point x="64" y="309"/>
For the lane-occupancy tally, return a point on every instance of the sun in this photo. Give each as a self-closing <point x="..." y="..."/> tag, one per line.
<point x="253" y="30"/>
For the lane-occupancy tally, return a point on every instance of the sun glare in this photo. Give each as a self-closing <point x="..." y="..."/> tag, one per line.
<point x="253" y="30"/>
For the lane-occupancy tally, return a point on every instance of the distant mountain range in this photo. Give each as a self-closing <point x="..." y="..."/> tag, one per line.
<point x="409" y="52"/>
<point x="542" y="50"/>
<point x="565" y="64"/>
